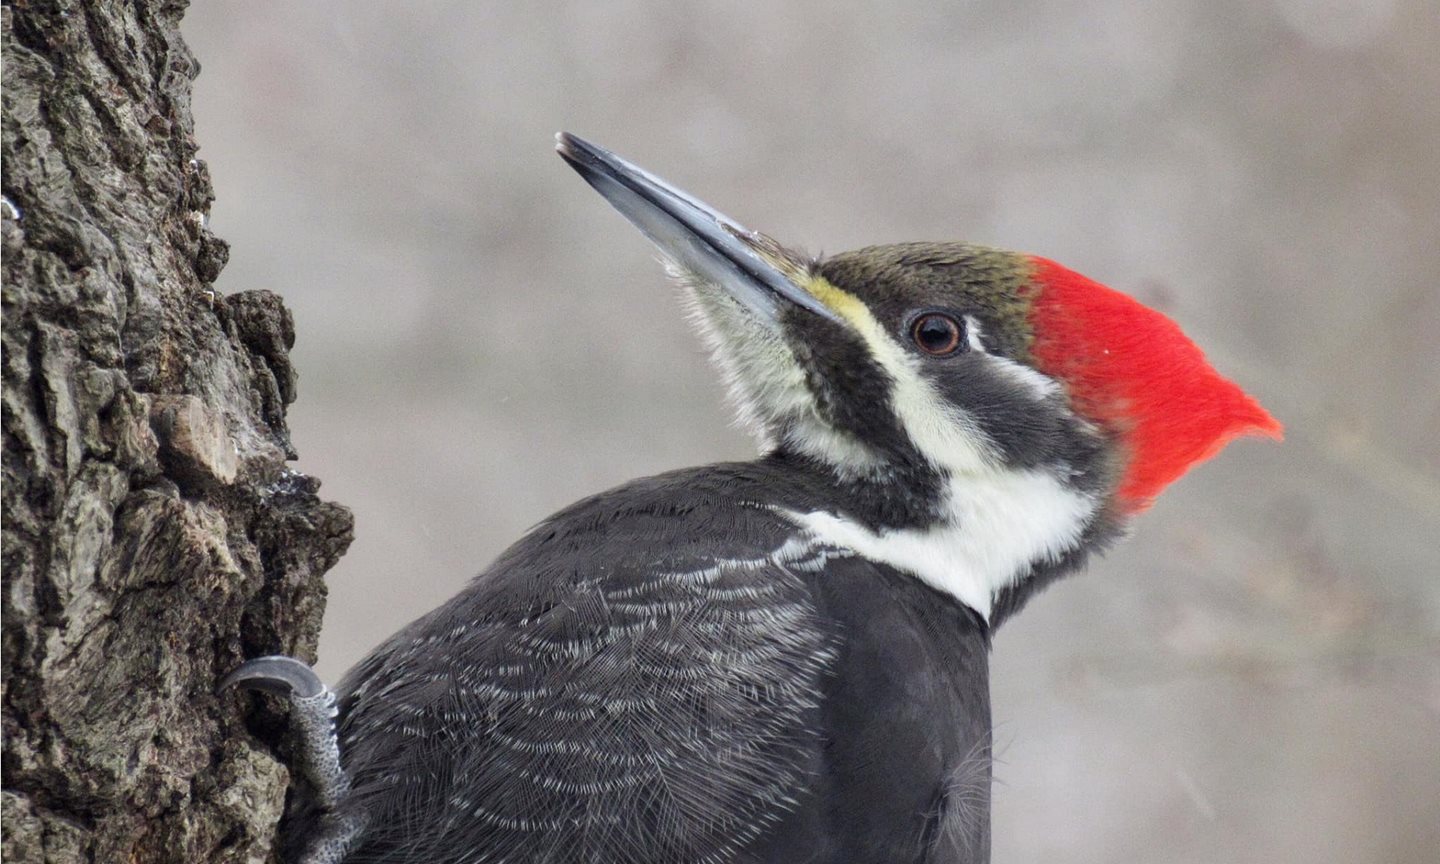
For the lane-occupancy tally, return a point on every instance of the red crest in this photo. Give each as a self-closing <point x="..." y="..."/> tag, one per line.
<point x="1132" y="370"/>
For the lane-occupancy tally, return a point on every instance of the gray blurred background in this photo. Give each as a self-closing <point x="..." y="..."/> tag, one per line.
<point x="1254" y="677"/>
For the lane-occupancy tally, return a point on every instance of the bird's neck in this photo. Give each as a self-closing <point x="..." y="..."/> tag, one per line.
<point x="977" y="537"/>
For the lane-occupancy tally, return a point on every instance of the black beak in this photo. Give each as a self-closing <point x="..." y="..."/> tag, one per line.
<point x="691" y="233"/>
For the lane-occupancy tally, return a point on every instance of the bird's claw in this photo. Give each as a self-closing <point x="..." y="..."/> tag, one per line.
<point x="312" y="718"/>
<point x="278" y="674"/>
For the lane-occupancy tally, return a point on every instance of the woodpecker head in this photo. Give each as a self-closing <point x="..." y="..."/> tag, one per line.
<point x="926" y="364"/>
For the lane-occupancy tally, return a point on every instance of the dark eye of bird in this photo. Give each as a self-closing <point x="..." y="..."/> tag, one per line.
<point x="938" y="334"/>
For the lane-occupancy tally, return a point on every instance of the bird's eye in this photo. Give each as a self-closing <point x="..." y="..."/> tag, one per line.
<point x="937" y="334"/>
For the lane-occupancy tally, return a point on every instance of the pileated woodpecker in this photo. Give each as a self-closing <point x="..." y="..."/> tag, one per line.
<point x="780" y="660"/>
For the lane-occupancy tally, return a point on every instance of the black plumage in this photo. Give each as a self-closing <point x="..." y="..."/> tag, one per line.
<point x="669" y="672"/>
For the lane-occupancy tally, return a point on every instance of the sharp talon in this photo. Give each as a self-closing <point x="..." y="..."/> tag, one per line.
<point x="312" y="721"/>
<point x="276" y="674"/>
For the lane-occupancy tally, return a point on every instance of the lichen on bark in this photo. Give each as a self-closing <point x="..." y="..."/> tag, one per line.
<point x="153" y="533"/>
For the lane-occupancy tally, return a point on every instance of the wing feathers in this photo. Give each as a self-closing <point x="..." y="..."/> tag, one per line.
<point x="649" y="713"/>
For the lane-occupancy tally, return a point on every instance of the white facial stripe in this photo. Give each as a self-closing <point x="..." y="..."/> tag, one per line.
<point x="972" y="334"/>
<point x="943" y="433"/>
<point x="998" y="526"/>
<point x="1042" y="386"/>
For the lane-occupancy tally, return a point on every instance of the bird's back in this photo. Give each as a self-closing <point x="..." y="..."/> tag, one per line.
<point x="666" y="672"/>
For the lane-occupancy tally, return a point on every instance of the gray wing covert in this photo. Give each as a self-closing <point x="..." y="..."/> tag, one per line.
<point x="656" y="713"/>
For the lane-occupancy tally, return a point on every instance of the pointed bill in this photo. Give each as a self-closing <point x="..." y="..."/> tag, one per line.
<point x="752" y="267"/>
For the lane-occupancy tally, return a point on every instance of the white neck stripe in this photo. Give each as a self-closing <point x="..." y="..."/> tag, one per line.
<point x="997" y="526"/>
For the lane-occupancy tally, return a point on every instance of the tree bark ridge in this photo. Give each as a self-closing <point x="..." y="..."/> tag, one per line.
<point x="153" y="534"/>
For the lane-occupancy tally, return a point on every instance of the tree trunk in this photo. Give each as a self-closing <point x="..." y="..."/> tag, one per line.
<point x="153" y="535"/>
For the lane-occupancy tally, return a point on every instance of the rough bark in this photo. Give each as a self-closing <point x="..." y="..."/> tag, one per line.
<point x="153" y="535"/>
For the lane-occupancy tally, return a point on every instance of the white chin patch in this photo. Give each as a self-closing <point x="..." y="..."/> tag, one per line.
<point x="766" y="382"/>
<point x="997" y="525"/>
